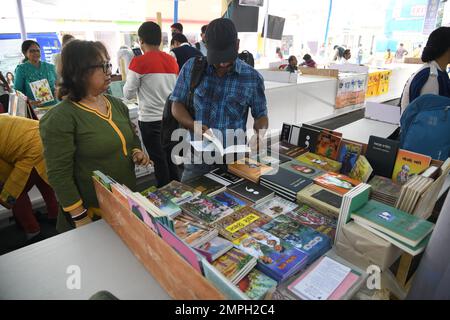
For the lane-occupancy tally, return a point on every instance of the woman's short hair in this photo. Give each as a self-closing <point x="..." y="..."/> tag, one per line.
<point x="26" y="45"/>
<point x="77" y="59"/>
<point x="438" y="44"/>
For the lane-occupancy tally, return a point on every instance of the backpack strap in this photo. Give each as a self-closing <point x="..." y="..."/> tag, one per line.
<point x="198" y="70"/>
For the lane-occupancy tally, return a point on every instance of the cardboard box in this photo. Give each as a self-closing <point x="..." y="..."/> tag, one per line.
<point x="363" y="248"/>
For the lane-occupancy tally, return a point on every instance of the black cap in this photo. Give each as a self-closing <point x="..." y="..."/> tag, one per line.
<point x="221" y="40"/>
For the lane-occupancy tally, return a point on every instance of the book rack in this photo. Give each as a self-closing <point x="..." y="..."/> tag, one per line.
<point x="177" y="277"/>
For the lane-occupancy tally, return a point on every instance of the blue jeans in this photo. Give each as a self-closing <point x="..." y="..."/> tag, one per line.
<point x="194" y="170"/>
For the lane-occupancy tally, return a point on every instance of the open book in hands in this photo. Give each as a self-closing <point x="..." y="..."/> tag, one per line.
<point x="211" y="143"/>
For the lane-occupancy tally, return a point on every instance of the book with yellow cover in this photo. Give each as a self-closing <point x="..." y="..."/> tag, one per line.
<point x="362" y="170"/>
<point x="408" y="164"/>
<point x="320" y="162"/>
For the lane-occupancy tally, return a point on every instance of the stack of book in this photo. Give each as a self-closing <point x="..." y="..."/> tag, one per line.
<point x="403" y="230"/>
<point x="314" y="244"/>
<point x="162" y="202"/>
<point x="411" y="193"/>
<point x="385" y="190"/>
<point x="249" y="169"/>
<point x="179" y="193"/>
<point x="312" y="218"/>
<point x="223" y="177"/>
<point x="302" y="169"/>
<point x="214" y="248"/>
<point x="286" y="151"/>
<point x="285" y="183"/>
<point x="320" y="162"/>
<point x="275" y="206"/>
<point x="205" y="185"/>
<point x="206" y="209"/>
<point x="321" y="199"/>
<point x="338" y="183"/>
<point x="276" y="258"/>
<point x="251" y="192"/>
<point x="240" y="223"/>
<point x="235" y="265"/>
<point x="193" y="232"/>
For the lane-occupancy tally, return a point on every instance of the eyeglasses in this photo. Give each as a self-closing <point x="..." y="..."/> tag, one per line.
<point x="106" y="66"/>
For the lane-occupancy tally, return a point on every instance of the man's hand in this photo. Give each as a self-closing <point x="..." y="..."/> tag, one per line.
<point x="82" y="222"/>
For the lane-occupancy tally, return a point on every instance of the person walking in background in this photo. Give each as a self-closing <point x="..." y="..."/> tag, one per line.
<point x="279" y="53"/>
<point x="432" y="77"/>
<point x="10" y="79"/>
<point x="87" y="131"/>
<point x="360" y="55"/>
<point x="182" y="50"/>
<point x="201" y="45"/>
<point x="57" y="57"/>
<point x="152" y="77"/>
<point x="401" y="53"/>
<point x="308" y="62"/>
<point x="176" y="28"/>
<point x="35" y="78"/>
<point x="418" y="52"/>
<point x="347" y="56"/>
<point x="22" y="167"/>
<point x="125" y="54"/>
<point x="388" y="57"/>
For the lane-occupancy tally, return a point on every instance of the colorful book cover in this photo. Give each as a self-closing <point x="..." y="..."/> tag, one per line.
<point x="275" y="207"/>
<point x="408" y="164"/>
<point x="256" y="285"/>
<point x="328" y="145"/>
<point x="348" y="155"/>
<point x="214" y="248"/>
<point x="206" y="209"/>
<point x="163" y="203"/>
<point x="362" y="170"/>
<point x="230" y="200"/>
<point x="191" y="231"/>
<point x="178" y="193"/>
<point x="312" y="218"/>
<point x="306" y="239"/>
<point x="232" y="264"/>
<point x="141" y="213"/>
<point x="249" y="169"/>
<point x="320" y="162"/>
<point x="302" y="169"/>
<point x="276" y="257"/>
<point x="239" y="223"/>
<point x="41" y="90"/>
<point x="338" y="183"/>
<point x="205" y="185"/>
<point x="182" y="248"/>
<point x="224" y="285"/>
<point x="395" y="223"/>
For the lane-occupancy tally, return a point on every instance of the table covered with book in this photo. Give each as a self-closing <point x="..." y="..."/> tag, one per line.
<point x="304" y="221"/>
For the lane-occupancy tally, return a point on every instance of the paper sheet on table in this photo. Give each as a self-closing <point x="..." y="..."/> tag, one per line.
<point x="320" y="283"/>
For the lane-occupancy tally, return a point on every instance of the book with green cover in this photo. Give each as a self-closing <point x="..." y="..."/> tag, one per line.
<point x="206" y="209"/>
<point x="256" y="285"/>
<point x="395" y="223"/>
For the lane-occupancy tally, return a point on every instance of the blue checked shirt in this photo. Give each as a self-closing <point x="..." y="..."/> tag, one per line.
<point x="223" y="103"/>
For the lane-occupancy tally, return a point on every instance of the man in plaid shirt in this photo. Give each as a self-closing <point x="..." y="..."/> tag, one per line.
<point x="229" y="88"/>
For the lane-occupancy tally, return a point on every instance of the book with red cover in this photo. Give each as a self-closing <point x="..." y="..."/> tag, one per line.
<point x="336" y="182"/>
<point x="328" y="145"/>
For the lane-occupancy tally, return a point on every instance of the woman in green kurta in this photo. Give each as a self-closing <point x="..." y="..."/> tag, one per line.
<point x="87" y="131"/>
<point x="34" y="72"/>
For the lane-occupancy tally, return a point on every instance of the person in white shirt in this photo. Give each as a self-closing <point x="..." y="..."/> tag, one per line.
<point x="432" y="77"/>
<point x="152" y="77"/>
<point x="201" y="45"/>
<point x="182" y="51"/>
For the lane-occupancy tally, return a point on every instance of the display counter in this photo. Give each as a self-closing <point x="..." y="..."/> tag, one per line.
<point x="41" y="271"/>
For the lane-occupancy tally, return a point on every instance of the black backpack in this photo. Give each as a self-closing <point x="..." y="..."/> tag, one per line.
<point x="169" y="123"/>
<point x="247" y="57"/>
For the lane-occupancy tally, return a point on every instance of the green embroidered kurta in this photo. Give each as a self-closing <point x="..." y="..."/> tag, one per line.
<point x="27" y="73"/>
<point x="79" y="140"/>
